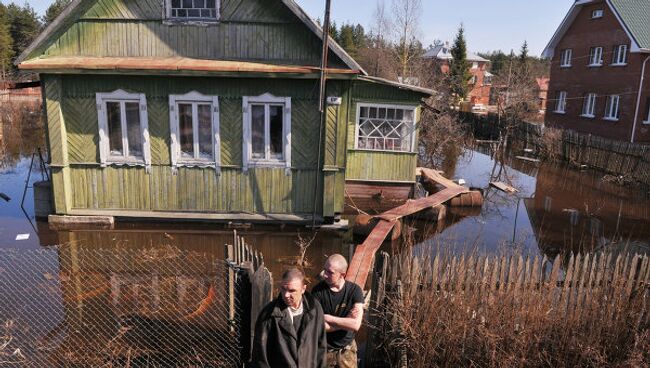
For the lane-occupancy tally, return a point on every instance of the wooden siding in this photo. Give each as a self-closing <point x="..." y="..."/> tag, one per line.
<point x="381" y="166"/>
<point x="248" y="30"/>
<point x="376" y="165"/>
<point x="261" y="190"/>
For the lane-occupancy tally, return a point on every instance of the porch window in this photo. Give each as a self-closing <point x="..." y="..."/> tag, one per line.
<point x="596" y="56"/>
<point x="193" y="9"/>
<point x="123" y="129"/>
<point x="385" y="127"/>
<point x="612" y="111"/>
<point x="267" y="131"/>
<point x="619" y="55"/>
<point x="589" y="106"/>
<point x="565" y="58"/>
<point x="194" y="130"/>
<point x="560" y="103"/>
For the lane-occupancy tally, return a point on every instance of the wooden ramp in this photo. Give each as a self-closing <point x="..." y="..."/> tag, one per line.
<point x="363" y="256"/>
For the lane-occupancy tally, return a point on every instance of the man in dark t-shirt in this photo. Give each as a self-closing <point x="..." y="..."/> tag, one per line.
<point x="342" y="303"/>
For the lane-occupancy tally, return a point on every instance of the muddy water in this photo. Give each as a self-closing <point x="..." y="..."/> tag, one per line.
<point x="556" y="208"/>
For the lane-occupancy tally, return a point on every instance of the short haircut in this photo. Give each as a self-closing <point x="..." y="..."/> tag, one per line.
<point x="292" y="274"/>
<point x="339" y="262"/>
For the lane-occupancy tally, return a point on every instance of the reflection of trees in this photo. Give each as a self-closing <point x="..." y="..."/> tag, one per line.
<point x="22" y="131"/>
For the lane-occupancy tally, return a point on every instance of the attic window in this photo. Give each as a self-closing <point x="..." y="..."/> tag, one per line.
<point x="193" y="9"/>
<point x="598" y="13"/>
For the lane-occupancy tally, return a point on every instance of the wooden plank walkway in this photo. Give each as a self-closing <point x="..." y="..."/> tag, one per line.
<point x="363" y="256"/>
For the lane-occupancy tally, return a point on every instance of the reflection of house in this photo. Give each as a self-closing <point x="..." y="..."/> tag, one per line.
<point x="575" y="211"/>
<point x="210" y="110"/>
<point x="481" y="81"/>
<point x="599" y="54"/>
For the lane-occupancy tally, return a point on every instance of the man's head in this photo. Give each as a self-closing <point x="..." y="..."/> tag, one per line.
<point x="335" y="269"/>
<point x="293" y="287"/>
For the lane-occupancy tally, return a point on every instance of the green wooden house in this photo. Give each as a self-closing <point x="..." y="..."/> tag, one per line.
<point x="209" y="109"/>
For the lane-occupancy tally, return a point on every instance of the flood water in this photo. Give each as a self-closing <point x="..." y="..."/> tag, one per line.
<point x="45" y="286"/>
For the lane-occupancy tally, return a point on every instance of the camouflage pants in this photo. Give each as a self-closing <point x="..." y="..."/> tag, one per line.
<point x="344" y="358"/>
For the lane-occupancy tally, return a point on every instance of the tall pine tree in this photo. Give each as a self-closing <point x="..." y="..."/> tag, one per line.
<point x="54" y="10"/>
<point x="459" y="72"/>
<point x="6" y="44"/>
<point x="24" y="26"/>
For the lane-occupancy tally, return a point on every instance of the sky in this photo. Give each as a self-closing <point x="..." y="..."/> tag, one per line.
<point x="489" y="25"/>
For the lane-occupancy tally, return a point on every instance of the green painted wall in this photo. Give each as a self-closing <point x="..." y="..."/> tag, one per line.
<point x="378" y="166"/>
<point x="262" y="190"/>
<point x="251" y="30"/>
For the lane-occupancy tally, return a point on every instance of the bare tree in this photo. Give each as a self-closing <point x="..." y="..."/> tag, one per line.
<point x="407" y="15"/>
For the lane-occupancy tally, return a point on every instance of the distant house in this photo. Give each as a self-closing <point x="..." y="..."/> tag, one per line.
<point x="541" y="91"/>
<point x="481" y="81"/>
<point x="600" y="70"/>
<point x="210" y="110"/>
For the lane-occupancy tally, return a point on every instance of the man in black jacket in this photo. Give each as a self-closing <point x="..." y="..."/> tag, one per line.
<point x="290" y="331"/>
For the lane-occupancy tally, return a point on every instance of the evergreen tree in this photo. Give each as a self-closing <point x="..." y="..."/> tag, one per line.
<point x="6" y="44"/>
<point x="24" y="26"/>
<point x="54" y="10"/>
<point x="359" y="36"/>
<point x="523" y="54"/>
<point x="334" y="33"/>
<point x="459" y="72"/>
<point x="346" y="39"/>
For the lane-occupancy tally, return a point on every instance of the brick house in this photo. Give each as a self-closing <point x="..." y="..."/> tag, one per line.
<point x="481" y="81"/>
<point x="600" y="69"/>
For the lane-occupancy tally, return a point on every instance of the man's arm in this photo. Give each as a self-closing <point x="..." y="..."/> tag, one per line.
<point x="350" y="323"/>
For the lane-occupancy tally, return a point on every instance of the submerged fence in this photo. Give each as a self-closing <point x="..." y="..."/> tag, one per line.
<point x="160" y="307"/>
<point x="587" y="310"/>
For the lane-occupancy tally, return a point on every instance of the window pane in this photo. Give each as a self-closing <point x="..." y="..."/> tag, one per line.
<point x="133" y="128"/>
<point x="257" y="133"/>
<point x="114" y="127"/>
<point x="194" y="13"/>
<point x="205" y="131"/>
<point x="185" y="130"/>
<point x="276" y="131"/>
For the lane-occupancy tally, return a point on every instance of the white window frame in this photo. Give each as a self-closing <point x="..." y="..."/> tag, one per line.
<point x="597" y="13"/>
<point x="565" y="58"/>
<point x="472" y="80"/>
<point x="474" y="64"/>
<point x="168" y="14"/>
<point x="385" y="106"/>
<point x="194" y="98"/>
<point x="105" y="156"/>
<point x="647" y="121"/>
<point x="267" y="100"/>
<point x="612" y="110"/>
<point x="620" y="55"/>
<point x="560" y="104"/>
<point x="589" y="106"/>
<point x="596" y="56"/>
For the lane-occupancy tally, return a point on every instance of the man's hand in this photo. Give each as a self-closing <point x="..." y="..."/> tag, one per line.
<point x="350" y="323"/>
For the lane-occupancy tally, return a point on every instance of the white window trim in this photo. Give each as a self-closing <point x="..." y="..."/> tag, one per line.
<point x="174" y="124"/>
<point x="595" y="12"/>
<point x="561" y="102"/>
<point x="608" y="110"/>
<point x="386" y="106"/>
<point x="247" y="148"/>
<point x="600" y="58"/>
<point x="647" y="121"/>
<point x="168" y="15"/>
<point x="105" y="156"/>
<point x="565" y="58"/>
<point x="588" y="97"/>
<point x="617" y="53"/>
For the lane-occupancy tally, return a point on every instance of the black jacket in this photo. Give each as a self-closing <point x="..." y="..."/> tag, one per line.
<point x="276" y="343"/>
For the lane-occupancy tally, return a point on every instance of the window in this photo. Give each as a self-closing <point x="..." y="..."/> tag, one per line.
<point x="474" y="65"/>
<point x="487" y="79"/>
<point x="596" y="56"/>
<point x="647" y="120"/>
<point x="385" y="127"/>
<point x="565" y="58"/>
<point x="123" y="130"/>
<point x="611" y="108"/>
<point x="472" y="80"/>
<point x="589" y="105"/>
<point x="193" y="9"/>
<point x="560" y="103"/>
<point x="267" y="131"/>
<point x="598" y="13"/>
<point x="619" y="56"/>
<point x="194" y="126"/>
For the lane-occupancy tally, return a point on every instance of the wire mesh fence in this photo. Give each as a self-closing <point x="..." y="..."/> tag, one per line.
<point x="78" y="307"/>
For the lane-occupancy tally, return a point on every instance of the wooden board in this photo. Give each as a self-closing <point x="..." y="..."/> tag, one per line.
<point x="504" y="187"/>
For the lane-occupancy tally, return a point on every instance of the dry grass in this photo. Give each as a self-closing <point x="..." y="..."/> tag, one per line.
<point x="550" y="145"/>
<point x="21" y="129"/>
<point x="470" y="318"/>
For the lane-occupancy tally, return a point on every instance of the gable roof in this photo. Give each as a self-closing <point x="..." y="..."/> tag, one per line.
<point x="77" y="8"/>
<point x="443" y="52"/>
<point x="633" y="16"/>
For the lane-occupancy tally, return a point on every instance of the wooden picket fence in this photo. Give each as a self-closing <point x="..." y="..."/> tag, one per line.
<point x="603" y="288"/>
